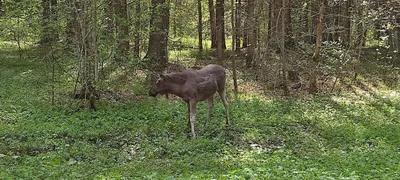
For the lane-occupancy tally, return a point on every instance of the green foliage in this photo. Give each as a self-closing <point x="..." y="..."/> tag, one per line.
<point x="352" y="136"/>
<point x="20" y="20"/>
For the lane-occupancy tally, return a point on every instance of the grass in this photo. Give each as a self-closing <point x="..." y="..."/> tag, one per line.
<point x="352" y="136"/>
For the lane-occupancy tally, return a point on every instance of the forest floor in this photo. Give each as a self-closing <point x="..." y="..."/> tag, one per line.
<point x="354" y="135"/>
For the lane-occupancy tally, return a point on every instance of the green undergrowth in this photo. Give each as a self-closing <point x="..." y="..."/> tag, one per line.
<point x="352" y="136"/>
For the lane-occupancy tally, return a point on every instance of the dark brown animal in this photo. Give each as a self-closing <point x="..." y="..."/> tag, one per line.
<point x="194" y="86"/>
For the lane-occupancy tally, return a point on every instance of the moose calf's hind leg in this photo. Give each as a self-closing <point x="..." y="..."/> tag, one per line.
<point x="188" y="117"/>
<point x="225" y="102"/>
<point x="210" y="107"/>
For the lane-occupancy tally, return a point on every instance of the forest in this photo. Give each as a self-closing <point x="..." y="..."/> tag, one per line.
<point x="242" y="89"/>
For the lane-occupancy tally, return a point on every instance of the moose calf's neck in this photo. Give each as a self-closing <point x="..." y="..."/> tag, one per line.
<point x="178" y="88"/>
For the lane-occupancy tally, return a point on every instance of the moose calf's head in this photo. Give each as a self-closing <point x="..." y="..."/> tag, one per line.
<point x="160" y="86"/>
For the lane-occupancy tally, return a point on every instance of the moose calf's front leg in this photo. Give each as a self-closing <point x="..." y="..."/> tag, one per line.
<point x="192" y="116"/>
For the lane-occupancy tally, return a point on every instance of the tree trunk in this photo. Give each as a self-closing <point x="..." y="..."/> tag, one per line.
<point x="73" y="28"/>
<point x="45" y="36"/>
<point x="233" y="25"/>
<point x="398" y="36"/>
<point x="109" y="20"/>
<point x="287" y="20"/>
<point x="310" y="21"/>
<point x="54" y="19"/>
<point x="237" y="41"/>
<point x="281" y="14"/>
<point x="265" y="14"/>
<point x="318" y="45"/>
<point x="220" y="29"/>
<point x="200" y="25"/>
<point x="91" y="56"/>
<point x="238" y="25"/>
<point x="251" y="32"/>
<point x="245" y="27"/>
<point x="220" y="22"/>
<point x="337" y="10"/>
<point x="122" y="28"/>
<point x="270" y="23"/>
<point x="158" y="41"/>
<point x="87" y="45"/>
<point x="276" y="24"/>
<point x="136" y="49"/>
<point x="279" y="37"/>
<point x="326" y="36"/>
<point x="304" y="21"/>
<point x="94" y="45"/>
<point x="260" y="24"/>
<point x="283" y="41"/>
<point x="360" y="38"/>
<point x="174" y="23"/>
<point x="213" y="26"/>
<point x="346" y="24"/>
<point x="49" y="18"/>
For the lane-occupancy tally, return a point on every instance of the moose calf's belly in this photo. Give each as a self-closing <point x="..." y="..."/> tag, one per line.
<point x="206" y="90"/>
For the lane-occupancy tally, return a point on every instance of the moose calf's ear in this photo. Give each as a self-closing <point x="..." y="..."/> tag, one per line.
<point x="163" y="77"/>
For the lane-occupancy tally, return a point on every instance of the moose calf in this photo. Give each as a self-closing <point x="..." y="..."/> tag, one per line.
<point x="194" y="86"/>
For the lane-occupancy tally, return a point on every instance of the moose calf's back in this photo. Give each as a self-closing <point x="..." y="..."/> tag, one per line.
<point x="206" y="81"/>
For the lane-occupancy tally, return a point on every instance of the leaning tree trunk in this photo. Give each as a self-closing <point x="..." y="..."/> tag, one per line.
<point x="318" y="45"/>
<point x="159" y="24"/>
<point x="122" y="28"/>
